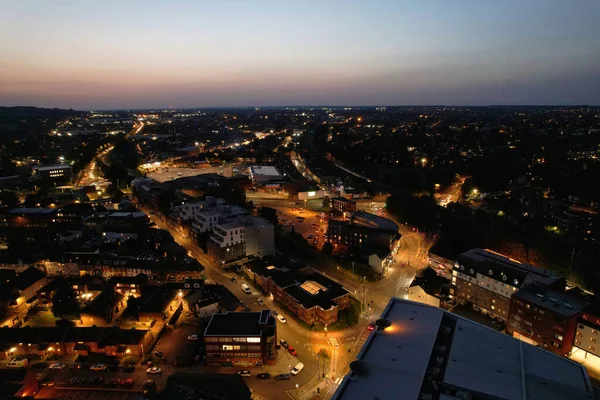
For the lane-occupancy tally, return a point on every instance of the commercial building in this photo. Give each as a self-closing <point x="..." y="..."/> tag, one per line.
<point x="241" y="339"/>
<point x="260" y="236"/>
<point x="487" y="280"/>
<point x="545" y="317"/>
<point x="311" y="296"/>
<point x="311" y="194"/>
<point x="210" y="216"/>
<point x="265" y="175"/>
<point x="52" y="172"/>
<point x="423" y="352"/>
<point x="40" y="218"/>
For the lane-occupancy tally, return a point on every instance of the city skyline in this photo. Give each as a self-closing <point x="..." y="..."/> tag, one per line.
<point x="144" y="55"/>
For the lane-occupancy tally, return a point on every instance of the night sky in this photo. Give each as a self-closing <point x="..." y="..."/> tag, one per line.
<point x="154" y="54"/>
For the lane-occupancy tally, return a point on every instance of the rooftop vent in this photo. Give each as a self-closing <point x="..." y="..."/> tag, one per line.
<point x="383" y="323"/>
<point x="359" y="367"/>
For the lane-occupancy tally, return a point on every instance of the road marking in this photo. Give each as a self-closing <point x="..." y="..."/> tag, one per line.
<point x="334" y="342"/>
<point x="338" y="380"/>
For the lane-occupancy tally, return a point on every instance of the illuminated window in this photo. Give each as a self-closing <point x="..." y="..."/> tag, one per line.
<point x="253" y="340"/>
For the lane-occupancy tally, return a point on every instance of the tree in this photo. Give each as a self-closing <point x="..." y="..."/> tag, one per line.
<point x="8" y="199"/>
<point x="65" y="304"/>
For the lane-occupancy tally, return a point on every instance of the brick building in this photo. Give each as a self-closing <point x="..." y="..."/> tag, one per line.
<point x="487" y="280"/>
<point x="311" y="296"/>
<point x="545" y="317"/>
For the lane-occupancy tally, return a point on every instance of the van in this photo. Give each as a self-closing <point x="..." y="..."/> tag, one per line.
<point x="245" y="288"/>
<point x="296" y="370"/>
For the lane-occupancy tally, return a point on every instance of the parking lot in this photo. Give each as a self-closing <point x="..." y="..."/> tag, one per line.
<point x="175" y="346"/>
<point x="312" y="228"/>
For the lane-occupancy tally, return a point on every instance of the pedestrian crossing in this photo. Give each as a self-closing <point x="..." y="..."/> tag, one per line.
<point x="334" y="342"/>
<point x="338" y="380"/>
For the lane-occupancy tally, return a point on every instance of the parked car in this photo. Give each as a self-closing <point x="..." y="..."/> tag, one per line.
<point x="148" y="384"/>
<point x="264" y="375"/>
<point x="261" y="302"/>
<point x="18" y="362"/>
<point x="244" y="373"/>
<point x="281" y="377"/>
<point x="310" y="237"/>
<point x="281" y="319"/>
<point x="292" y="351"/>
<point x="371" y="326"/>
<point x="284" y="344"/>
<point x="233" y="279"/>
<point x="128" y="368"/>
<point x="154" y="371"/>
<point x="193" y="337"/>
<point x="57" y="366"/>
<point x="113" y="382"/>
<point x="76" y="366"/>
<point x="98" y="367"/>
<point x="296" y="370"/>
<point x="158" y="354"/>
<point x="127" y="383"/>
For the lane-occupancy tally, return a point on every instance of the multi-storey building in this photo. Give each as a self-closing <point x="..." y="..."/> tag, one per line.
<point x="423" y="352"/>
<point x="260" y="236"/>
<point x="241" y="338"/>
<point x="211" y="216"/>
<point x="227" y="242"/>
<point x="587" y="334"/>
<point x="53" y="172"/>
<point x="340" y="205"/>
<point x="544" y="317"/>
<point x="487" y="280"/>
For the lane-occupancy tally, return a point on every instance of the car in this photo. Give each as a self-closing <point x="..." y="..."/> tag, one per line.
<point x="149" y="383"/>
<point x="284" y="344"/>
<point x="260" y="301"/>
<point x="371" y="326"/>
<point x="281" y="319"/>
<point x="158" y="354"/>
<point x="296" y="370"/>
<point x="292" y="351"/>
<point x="193" y="337"/>
<point x="76" y="366"/>
<point x="313" y="226"/>
<point x="127" y="383"/>
<point x="57" y="366"/>
<point x="246" y="288"/>
<point x="154" y="371"/>
<point x="113" y="382"/>
<point x="310" y="236"/>
<point x="98" y="367"/>
<point x="233" y="279"/>
<point x="282" y="377"/>
<point x="128" y="368"/>
<point x="245" y="373"/>
<point x="264" y="375"/>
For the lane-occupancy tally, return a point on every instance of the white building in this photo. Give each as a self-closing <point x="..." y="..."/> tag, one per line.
<point x="227" y="242"/>
<point x="311" y="194"/>
<point x="423" y="352"/>
<point x="188" y="211"/>
<point x="208" y="218"/>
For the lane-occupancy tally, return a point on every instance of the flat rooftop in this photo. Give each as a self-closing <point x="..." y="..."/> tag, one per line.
<point x="245" y="323"/>
<point x="430" y="352"/>
<point x="267" y="170"/>
<point x="52" y="167"/>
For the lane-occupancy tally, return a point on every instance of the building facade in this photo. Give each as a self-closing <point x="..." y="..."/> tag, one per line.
<point x="544" y="317"/>
<point x="241" y="339"/>
<point x="227" y="242"/>
<point x="487" y="280"/>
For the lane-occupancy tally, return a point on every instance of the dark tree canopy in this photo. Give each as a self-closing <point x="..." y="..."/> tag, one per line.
<point x="65" y="304"/>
